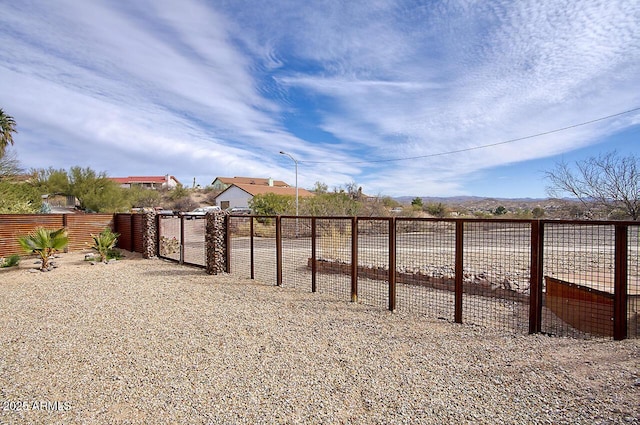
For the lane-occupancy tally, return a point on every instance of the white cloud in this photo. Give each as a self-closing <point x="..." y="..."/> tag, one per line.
<point x="219" y="89"/>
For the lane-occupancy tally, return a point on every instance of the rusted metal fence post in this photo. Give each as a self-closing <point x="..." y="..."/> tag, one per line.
<point x="620" y="284"/>
<point x="313" y="255"/>
<point x="182" y="239"/>
<point x="459" y="268"/>
<point x="227" y="241"/>
<point x="278" y="251"/>
<point x="251" y="249"/>
<point x="132" y="231"/>
<point x="354" y="259"/>
<point x="392" y="264"/>
<point x="535" y="277"/>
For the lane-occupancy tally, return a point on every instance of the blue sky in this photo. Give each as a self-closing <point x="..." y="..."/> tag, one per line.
<point x="200" y="89"/>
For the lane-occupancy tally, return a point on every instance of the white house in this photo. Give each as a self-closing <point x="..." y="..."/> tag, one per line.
<point x="239" y="195"/>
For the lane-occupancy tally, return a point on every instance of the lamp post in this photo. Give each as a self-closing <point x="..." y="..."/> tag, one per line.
<point x="295" y="162"/>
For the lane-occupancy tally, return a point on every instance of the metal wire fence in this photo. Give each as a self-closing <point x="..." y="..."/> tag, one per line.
<point x="425" y="263"/>
<point x="333" y="256"/>
<point x="497" y="259"/>
<point x="555" y="277"/>
<point x="296" y="252"/>
<point x="633" y="282"/>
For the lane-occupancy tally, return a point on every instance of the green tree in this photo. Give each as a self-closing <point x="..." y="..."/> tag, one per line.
<point x="501" y="210"/>
<point x="140" y="197"/>
<point x="438" y="210"/>
<point x="7" y="128"/>
<point x="389" y="202"/>
<point x="330" y="204"/>
<point x="44" y="242"/>
<point x="178" y="192"/>
<point x="19" y="198"/>
<point x="272" y="204"/>
<point x="94" y="191"/>
<point x="538" y="212"/>
<point x="320" y="187"/>
<point x="51" y="181"/>
<point x="417" y="202"/>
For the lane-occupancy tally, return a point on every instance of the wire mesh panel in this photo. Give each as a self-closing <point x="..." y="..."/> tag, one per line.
<point x="333" y="257"/>
<point x="633" y="282"/>
<point x="194" y="246"/>
<point x="496" y="275"/>
<point x="240" y="244"/>
<point x="169" y="237"/>
<point x="264" y="249"/>
<point x="373" y="262"/>
<point x="296" y="252"/>
<point x="425" y="264"/>
<point x="579" y="262"/>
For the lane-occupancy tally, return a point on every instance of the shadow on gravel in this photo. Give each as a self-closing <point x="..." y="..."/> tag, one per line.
<point x="186" y="271"/>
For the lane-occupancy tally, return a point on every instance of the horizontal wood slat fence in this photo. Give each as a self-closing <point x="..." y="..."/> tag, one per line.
<point x="80" y="227"/>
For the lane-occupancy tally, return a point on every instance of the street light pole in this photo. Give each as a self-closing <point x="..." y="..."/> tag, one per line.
<point x="296" y="163"/>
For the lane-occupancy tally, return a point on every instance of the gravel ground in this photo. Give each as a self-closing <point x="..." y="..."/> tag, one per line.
<point x="148" y="341"/>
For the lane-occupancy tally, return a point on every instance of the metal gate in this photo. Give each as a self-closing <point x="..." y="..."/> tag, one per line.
<point x="181" y="238"/>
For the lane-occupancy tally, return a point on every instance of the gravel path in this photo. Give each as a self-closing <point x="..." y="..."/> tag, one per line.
<point x="148" y="341"/>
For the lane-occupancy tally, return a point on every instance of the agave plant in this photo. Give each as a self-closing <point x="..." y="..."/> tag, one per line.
<point x="44" y="242"/>
<point x="104" y="242"/>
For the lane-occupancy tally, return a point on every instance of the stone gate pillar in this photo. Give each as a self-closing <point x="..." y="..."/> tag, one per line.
<point x="216" y="242"/>
<point x="149" y="235"/>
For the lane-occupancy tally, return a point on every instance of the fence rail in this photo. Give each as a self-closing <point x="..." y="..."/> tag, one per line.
<point x="576" y="278"/>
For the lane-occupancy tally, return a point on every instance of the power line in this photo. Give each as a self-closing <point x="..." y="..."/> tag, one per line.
<point x="557" y="130"/>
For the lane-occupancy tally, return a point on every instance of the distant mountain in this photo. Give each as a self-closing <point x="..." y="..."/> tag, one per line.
<point x="463" y="199"/>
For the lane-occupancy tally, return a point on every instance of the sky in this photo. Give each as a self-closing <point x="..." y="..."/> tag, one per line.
<point x="404" y="98"/>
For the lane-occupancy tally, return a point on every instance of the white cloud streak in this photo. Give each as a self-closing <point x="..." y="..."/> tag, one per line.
<point x="206" y="89"/>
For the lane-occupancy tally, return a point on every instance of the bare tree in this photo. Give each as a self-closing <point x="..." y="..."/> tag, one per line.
<point x="609" y="180"/>
<point x="9" y="166"/>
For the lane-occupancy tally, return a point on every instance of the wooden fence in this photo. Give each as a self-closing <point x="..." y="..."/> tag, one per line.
<point x="79" y="227"/>
<point x="130" y="228"/>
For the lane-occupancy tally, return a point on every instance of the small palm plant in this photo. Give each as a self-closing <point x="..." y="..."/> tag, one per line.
<point x="104" y="242"/>
<point x="44" y="242"/>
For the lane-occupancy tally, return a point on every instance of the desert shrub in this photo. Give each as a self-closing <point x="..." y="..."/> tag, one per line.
<point x="184" y="204"/>
<point x="438" y="210"/>
<point x="10" y="261"/>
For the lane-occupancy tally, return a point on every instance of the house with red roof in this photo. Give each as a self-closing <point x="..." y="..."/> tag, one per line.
<point x="148" y="182"/>
<point x="221" y="183"/>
